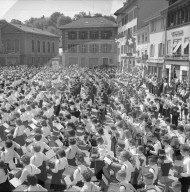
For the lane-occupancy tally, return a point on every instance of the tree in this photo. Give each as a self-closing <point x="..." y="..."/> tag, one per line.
<point x="63" y="20"/>
<point x="30" y="22"/>
<point x="40" y="23"/>
<point x="52" y="29"/>
<point x="80" y="15"/>
<point x="53" y="18"/>
<point x="98" y="15"/>
<point x="16" y="21"/>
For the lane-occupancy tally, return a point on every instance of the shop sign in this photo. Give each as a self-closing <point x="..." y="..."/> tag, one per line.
<point x="177" y="33"/>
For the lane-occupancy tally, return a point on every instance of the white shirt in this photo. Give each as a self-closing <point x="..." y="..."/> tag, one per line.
<point x="29" y="169"/>
<point x="42" y="144"/>
<point x="71" y="151"/>
<point x="8" y="155"/>
<point x="3" y="176"/>
<point x="181" y="138"/>
<point x="90" y="187"/>
<point x="77" y="176"/>
<point x="154" y="171"/>
<point x="37" y="159"/>
<point x="169" y="152"/>
<point x="128" y="167"/>
<point x="19" y="131"/>
<point x="46" y="131"/>
<point x="186" y="167"/>
<point x="35" y="188"/>
<point x="60" y="164"/>
<point x="157" y="146"/>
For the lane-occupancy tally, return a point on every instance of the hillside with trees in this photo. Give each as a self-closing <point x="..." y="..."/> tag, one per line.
<point x="56" y="20"/>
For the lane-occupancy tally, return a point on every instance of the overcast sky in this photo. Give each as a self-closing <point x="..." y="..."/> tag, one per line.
<point x="25" y="9"/>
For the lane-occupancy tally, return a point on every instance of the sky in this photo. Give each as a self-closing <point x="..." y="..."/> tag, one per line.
<point x="25" y="9"/>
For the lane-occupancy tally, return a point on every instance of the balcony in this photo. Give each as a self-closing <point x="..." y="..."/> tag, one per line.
<point x="177" y="57"/>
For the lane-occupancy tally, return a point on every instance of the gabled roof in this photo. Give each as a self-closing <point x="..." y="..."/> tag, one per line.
<point x="33" y="30"/>
<point x="125" y="6"/>
<point x="89" y="22"/>
<point x="27" y="29"/>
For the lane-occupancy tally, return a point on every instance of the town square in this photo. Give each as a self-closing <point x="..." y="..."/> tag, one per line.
<point x="95" y="95"/>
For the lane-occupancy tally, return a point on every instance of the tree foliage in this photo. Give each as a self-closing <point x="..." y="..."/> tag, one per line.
<point x="16" y="21"/>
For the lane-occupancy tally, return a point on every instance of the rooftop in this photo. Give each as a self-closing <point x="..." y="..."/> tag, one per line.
<point x="33" y="30"/>
<point x="125" y="5"/>
<point x="178" y="2"/>
<point x="89" y="22"/>
<point x="27" y="29"/>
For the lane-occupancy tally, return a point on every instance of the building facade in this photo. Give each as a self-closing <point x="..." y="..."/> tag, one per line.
<point x="142" y="48"/>
<point x="156" y="48"/>
<point x="178" y="37"/>
<point x="131" y="18"/>
<point x="89" y="42"/>
<point x="22" y="45"/>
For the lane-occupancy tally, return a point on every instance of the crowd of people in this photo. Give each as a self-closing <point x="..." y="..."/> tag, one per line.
<point x="91" y="130"/>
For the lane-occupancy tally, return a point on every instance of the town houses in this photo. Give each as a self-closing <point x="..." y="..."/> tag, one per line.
<point x="150" y="34"/>
<point x="161" y="37"/>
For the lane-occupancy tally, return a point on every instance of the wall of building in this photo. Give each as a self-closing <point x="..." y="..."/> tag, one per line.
<point x="182" y="36"/>
<point x="84" y="59"/>
<point x="156" y="39"/>
<point x="25" y="46"/>
<point x="180" y="62"/>
<point x="148" y="8"/>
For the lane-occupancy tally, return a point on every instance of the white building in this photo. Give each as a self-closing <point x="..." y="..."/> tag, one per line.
<point x="130" y="18"/>
<point x="178" y="37"/>
<point x="156" y="48"/>
<point x="142" y="45"/>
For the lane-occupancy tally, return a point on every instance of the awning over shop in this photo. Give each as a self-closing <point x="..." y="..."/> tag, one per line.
<point x="177" y="47"/>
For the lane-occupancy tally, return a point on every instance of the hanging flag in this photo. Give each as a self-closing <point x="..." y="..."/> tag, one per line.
<point x="130" y="41"/>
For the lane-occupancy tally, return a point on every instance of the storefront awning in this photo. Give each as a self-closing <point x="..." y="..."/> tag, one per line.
<point x="177" y="47"/>
<point x="186" y="44"/>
